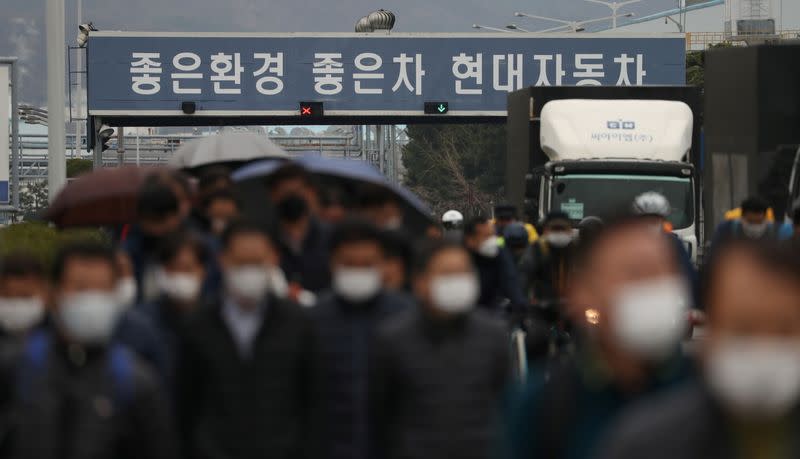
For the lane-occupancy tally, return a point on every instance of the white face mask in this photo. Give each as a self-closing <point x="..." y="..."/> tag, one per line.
<point x="754" y="230"/>
<point x="179" y="286"/>
<point x="89" y="317"/>
<point x="249" y="283"/>
<point x="18" y="315"/>
<point x="489" y="248"/>
<point x="126" y="292"/>
<point x="755" y="377"/>
<point x="650" y="317"/>
<point x="558" y="240"/>
<point x="357" y="285"/>
<point x="455" y="293"/>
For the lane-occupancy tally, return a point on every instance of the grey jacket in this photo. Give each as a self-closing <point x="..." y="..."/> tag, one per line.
<point x="434" y="386"/>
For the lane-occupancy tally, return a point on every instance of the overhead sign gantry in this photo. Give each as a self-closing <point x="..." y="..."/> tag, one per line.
<point x="150" y="78"/>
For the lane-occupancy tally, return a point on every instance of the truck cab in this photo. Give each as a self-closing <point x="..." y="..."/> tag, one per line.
<point x="604" y="153"/>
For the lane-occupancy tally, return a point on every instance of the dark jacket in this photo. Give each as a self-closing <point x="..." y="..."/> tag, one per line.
<point x="568" y="413"/>
<point x="169" y="326"/>
<point x="74" y="407"/>
<point x="345" y="332"/>
<point x="262" y="406"/>
<point x="686" y="423"/>
<point x="309" y="266"/>
<point x="499" y="280"/>
<point x="11" y="348"/>
<point x="434" y="386"/>
<point x="547" y="268"/>
<point x="137" y="331"/>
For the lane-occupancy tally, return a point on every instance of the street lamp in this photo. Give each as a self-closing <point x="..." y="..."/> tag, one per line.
<point x="576" y="26"/>
<point x="668" y="19"/>
<point x="493" y="29"/>
<point x="615" y="6"/>
<point x="105" y="131"/>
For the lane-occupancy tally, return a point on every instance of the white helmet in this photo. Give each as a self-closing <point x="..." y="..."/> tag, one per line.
<point x="452" y="219"/>
<point x="652" y="203"/>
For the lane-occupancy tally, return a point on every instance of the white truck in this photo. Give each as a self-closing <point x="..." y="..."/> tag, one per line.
<point x="603" y="153"/>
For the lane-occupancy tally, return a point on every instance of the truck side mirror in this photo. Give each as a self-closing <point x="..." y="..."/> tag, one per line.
<point x="533" y="182"/>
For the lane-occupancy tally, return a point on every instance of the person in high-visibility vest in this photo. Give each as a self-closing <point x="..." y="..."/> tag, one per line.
<point x="506" y="214"/>
<point x="753" y="223"/>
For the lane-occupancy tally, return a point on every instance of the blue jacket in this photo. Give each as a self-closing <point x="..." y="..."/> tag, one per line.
<point x="137" y="332"/>
<point x="499" y="280"/>
<point x="345" y="331"/>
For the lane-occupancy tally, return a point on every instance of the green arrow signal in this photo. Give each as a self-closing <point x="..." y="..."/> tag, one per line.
<point x="442" y="108"/>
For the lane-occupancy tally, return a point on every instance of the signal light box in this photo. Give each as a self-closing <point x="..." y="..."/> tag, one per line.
<point x="436" y="108"/>
<point x="311" y="110"/>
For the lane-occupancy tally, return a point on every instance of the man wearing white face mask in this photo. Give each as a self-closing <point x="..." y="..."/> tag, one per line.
<point x="346" y="319"/>
<point x="438" y="371"/>
<point x="73" y="378"/>
<point x="752" y="225"/>
<point x="248" y="364"/>
<point x="497" y="274"/>
<point x="181" y="259"/>
<point x="547" y="262"/>
<point x="628" y="303"/>
<point x="23" y="292"/>
<point x="747" y="402"/>
<point x="23" y="295"/>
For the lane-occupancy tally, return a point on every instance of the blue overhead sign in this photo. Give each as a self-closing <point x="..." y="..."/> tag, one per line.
<point x="134" y="74"/>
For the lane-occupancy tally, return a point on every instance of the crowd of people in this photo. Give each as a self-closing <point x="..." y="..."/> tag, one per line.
<point x="309" y="324"/>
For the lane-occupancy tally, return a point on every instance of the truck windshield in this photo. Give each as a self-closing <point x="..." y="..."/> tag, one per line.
<point x="584" y="195"/>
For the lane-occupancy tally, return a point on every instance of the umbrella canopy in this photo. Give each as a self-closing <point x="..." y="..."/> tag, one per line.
<point x="346" y="172"/>
<point x="103" y="197"/>
<point x="230" y="148"/>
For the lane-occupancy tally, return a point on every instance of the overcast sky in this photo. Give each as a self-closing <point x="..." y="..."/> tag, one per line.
<point x="22" y="21"/>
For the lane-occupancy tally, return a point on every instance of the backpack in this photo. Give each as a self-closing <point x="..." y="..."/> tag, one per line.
<point x="33" y="367"/>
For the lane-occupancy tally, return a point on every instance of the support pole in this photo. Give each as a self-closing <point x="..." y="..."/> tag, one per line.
<point x="15" y="149"/>
<point x="56" y="70"/>
<point x="120" y="146"/>
<point x="98" y="143"/>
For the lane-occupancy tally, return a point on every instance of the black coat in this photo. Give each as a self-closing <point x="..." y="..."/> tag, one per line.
<point x="257" y="407"/>
<point x="310" y="266"/>
<point x="434" y="386"/>
<point x="345" y="332"/>
<point x="74" y="408"/>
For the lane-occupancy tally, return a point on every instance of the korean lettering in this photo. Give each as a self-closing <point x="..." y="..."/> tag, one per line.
<point x="328" y="73"/>
<point x="402" y="78"/>
<point x="559" y="69"/>
<point x="187" y="63"/>
<point x="624" y="60"/>
<point x="367" y="64"/>
<point x="465" y="67"/>
<point x="590" y="72"/>
<point x="272" y="66"/>
<point x="146" y="71"/>
<point x="223" y="64"/>
<point x="513" y="80"/>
